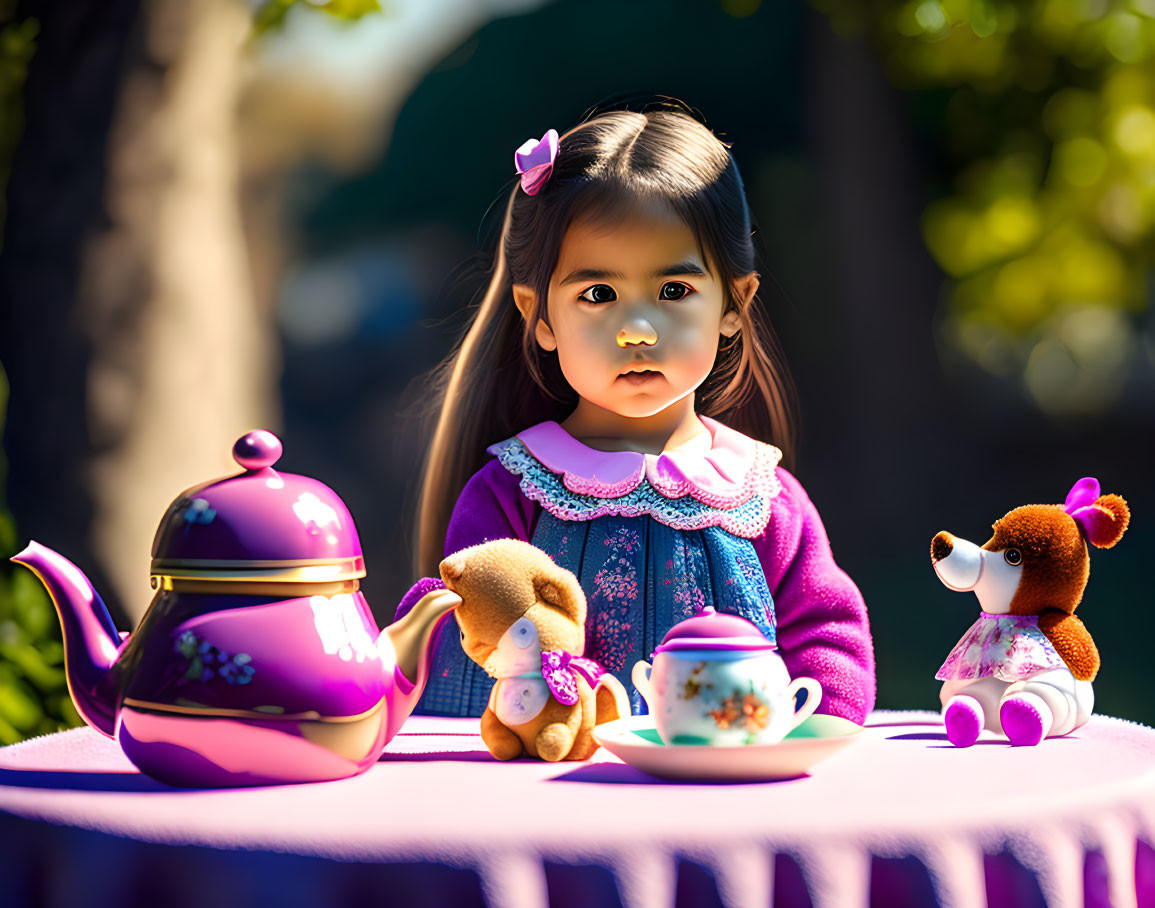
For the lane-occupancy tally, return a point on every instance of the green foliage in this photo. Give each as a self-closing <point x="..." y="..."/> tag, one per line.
<point x="271" y="14"/>
<point x="17" y="45"/>
<point x="34" y="696"/>
<point x="1046" y="113"/>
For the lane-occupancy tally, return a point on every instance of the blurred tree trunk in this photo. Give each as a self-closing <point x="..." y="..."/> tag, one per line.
<point x="135" y="349"/>
<point x="892" y="405"/>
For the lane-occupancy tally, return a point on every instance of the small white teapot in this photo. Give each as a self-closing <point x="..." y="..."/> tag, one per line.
<point x="716" y="679"/>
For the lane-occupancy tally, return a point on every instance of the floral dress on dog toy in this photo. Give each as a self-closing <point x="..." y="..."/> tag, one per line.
<point x="1010" y="647"/>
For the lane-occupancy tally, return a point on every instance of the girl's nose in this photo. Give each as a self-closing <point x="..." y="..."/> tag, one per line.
<point x="637" y="331"/>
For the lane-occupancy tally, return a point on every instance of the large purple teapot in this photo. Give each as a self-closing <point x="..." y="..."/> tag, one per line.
<point x="258" y="661"/>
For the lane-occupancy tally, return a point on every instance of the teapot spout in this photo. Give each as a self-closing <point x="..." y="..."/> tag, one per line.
<point x="410" y="638"/>
<point x="91" y="642"/>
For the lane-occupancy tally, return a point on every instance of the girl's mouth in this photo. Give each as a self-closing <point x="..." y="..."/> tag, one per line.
<point x="640" y="378"/>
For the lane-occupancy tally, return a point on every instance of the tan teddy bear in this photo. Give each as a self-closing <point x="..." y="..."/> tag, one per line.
<point x="522" y="619"/>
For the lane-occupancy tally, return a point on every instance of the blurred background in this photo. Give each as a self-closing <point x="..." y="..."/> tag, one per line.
<point x="219" y="215"/>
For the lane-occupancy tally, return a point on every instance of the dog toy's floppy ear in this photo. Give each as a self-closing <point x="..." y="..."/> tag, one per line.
<point x="1102" y="518"/>
<point x="1105" y="521"/>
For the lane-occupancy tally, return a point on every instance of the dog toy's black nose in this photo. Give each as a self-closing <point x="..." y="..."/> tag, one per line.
<point x="941" y="546"/>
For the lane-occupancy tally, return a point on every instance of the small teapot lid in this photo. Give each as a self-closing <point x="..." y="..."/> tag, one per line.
<point x="260" y="525"/>
<point x="713" y="630"/>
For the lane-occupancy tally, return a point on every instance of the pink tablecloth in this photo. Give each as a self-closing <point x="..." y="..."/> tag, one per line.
<point x="82" y="826"/>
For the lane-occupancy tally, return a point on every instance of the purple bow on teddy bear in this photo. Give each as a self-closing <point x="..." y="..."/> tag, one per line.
<point x="561" y="670"/>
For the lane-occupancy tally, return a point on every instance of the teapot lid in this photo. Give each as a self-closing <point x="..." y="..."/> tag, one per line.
<point x="260" y="526"/>
<point x="713" y="630"/>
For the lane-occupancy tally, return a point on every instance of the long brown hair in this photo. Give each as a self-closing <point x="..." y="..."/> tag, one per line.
<point x="498" y="381"/>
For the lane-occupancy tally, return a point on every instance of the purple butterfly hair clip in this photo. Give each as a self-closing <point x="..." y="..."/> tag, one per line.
<point x="534" y="161"/>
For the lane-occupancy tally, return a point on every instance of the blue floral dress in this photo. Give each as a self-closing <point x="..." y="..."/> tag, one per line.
<point x="651" y="538"/>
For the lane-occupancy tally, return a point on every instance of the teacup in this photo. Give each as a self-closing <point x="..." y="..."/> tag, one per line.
<point x="717" y="680"/>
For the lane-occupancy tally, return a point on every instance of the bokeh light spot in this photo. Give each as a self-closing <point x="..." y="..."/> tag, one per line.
<point x="1013" y="222"/>
<point x="1049" y="374"/>
<point x="984" y="22"/>
<point x="1081" y="161"/>
<point x="1134" y="131"/>
<point x="1081" y="361"/>
<point x="931" y="18"/>
<point x="988" y="345"/>
<point x="1020" y="291"/>
<point x="1100" y="339"/>
<point x="1091" y="271"/>
<point x="1126" y="85"/>
<point x="1121" y="213"/>
<point x="1123" y="37"/>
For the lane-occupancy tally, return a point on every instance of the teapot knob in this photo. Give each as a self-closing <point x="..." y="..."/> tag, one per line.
<point x="257" y="450"/>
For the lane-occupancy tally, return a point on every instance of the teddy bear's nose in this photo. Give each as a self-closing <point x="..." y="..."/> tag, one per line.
<point x="941" y="546"/>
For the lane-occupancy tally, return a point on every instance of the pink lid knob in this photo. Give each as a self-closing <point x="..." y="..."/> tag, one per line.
<point x="714" y="630"/>
<point x="257" y="450"/>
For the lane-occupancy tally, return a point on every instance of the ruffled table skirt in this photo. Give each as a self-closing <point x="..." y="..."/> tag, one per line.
<point x="899" y="818"/>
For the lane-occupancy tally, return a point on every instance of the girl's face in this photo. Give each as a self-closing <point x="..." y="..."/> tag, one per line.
<point x="634" y="313"/>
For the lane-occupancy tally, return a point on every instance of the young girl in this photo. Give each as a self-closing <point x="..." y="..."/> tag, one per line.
<point x="613" y="403"/>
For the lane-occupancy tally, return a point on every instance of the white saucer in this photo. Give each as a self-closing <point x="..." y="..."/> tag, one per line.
<point x="634" y="741"/>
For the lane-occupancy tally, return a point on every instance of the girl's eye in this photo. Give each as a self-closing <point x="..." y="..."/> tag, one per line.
<point x="598" y="293"/>
<point x="674" y="290"/>
<point x="1013" y="556"/>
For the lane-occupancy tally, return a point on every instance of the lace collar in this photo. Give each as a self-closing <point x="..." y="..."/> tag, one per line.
<point x="730" y="485"/>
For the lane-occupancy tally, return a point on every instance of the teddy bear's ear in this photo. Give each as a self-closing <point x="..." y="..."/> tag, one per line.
<point x="1105" y="521"/>
<point x="562" y="592"/>
<point x="452" y="568"/>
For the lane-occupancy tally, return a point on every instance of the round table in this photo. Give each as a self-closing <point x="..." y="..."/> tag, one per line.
<point x="899" y="818"/>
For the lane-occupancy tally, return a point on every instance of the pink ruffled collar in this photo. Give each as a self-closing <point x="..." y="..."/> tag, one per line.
<point x="728" y="474"/>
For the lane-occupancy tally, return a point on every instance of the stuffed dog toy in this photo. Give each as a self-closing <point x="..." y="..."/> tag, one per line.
<point x="1025" y="668"/>
<point x="522" y="619"/>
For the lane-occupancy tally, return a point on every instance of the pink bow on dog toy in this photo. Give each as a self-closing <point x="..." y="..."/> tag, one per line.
<point x="561" y="670"/>
<point x="1102" y="518"/>
<point x="1080" y="504"/>
<point x="534" y="161"/>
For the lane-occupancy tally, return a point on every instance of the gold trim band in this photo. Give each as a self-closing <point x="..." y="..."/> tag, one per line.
<point x="165" y="573"/>
<point x="249" y="588"/>
<point x="230" y="564"/>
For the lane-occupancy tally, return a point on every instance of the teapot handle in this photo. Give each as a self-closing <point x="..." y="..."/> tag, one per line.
<point x="813" y="698"/>
<point x="641" y="678"/>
